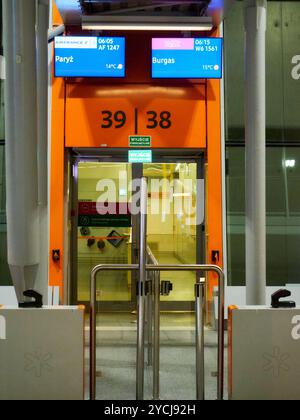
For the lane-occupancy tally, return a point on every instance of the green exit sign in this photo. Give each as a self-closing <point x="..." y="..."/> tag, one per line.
<point x="140" y="156"/>
<point x="140" y="141"/>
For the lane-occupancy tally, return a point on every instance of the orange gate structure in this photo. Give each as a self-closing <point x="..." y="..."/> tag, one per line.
<point x="195" y="107"/>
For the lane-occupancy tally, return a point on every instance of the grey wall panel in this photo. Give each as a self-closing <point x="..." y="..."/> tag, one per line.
<point x="265" y="354"/>
<point x="42" y="354"/>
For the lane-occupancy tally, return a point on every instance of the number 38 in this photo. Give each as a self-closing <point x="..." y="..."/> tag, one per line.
<point x="164" y="120"/>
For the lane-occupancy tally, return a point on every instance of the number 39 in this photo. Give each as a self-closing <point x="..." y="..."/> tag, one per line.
<point x="109" y="119"/>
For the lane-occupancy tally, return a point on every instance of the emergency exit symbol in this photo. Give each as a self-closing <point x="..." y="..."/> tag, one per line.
<point x="38" y="363"/>
<point x="276" y="362"/>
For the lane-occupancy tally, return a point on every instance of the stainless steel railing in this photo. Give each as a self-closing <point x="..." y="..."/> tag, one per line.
<point x="93" y="306"/>
<point x="156" y="325"/>
<point x="140" y="349"/>
<point x="149" y="308"/>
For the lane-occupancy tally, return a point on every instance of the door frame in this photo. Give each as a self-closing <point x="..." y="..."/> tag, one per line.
<point x="121" y="156"/>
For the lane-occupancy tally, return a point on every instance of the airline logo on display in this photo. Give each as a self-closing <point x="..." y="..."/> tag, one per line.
<point x="2" y="328"/>
<point x="189" y="58"/>
<point x="81" y="56"/>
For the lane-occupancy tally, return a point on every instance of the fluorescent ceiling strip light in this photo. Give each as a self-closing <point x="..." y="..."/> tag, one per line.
<point x="145" y="27"/>
<point x="146" y="23"/>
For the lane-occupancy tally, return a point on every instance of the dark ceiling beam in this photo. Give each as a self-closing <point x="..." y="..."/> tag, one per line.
<point x="72" y="10"/>
<point x="144" y="8"/>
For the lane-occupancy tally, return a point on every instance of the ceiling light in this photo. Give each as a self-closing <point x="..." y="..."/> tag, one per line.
<point x="146" y="23"/>
<point x="182" y="195"/>
<point x="290" y="163"/>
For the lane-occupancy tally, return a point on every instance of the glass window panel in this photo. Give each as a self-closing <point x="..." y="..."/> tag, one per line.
<point x="103" y="239"/>
<point x="282" y="69"/>
<point x="5" y="279"/>
<point x="283" y="215"/>
<point x="276" y="185"/>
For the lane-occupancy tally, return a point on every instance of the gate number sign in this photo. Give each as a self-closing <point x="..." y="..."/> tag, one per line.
<point x="118" y="119"/>
<point x="158" y="118"/>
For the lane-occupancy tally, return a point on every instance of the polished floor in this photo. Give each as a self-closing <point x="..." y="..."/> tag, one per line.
<point x="116" y="358"/>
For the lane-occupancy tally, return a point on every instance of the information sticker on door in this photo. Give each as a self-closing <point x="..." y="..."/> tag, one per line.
<point x="140" y="156"/>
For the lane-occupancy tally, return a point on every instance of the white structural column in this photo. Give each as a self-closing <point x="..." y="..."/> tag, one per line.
<point x="42" y="50"/>
<point x="255" y="124"/>
<point x="19" y="18"/>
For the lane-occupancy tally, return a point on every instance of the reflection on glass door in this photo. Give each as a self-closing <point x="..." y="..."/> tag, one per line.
<point x="172" y="224"/>
<point x="105" y="228"/>
<point x="103" y="238"/>
<point x="106" y="233"/>
<point x="172" y="239"/>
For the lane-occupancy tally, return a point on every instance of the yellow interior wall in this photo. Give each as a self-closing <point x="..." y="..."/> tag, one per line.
<point x="170" y="239"/>
<point x="112" y="286"/>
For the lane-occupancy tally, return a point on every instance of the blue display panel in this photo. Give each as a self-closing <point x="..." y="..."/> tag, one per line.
<point x="189" y="58"/>
<point x="78" y="56"/>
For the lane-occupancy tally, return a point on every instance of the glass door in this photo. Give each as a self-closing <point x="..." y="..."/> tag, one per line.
<point x="105" y="231"/>
<point x="172" y="225"/>
<point x="174" y="231"/>
<point x="102" y="234"/>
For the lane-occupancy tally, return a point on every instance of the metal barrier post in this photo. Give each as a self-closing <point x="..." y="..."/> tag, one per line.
<point x="221" y="330"/>
<point x="221" y="278"/>
<point x="199" y="313"/>
<point x="93" y="331"/>
<point x="140" y="358"/>
<point x="156" y="324"/>
<point x="156" y="268"/>
<point x="149" y="324"/>
<point x="93" y="335"/>
<point x="156" y="355"/>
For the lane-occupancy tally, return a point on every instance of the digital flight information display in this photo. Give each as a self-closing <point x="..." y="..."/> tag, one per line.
<point x="189" y="58"/>
<point x="82" y="56"/>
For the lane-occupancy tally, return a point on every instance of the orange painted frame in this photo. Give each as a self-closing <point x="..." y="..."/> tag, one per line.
<point x="185" y="105"/>
<point x="57" y="19"/>
<point x="214" y="193"/>
<point x="214" y="182"/>
<point x="57" y="183"/>
<point x="214" y="158"/>
<point x="214" y="174"/>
